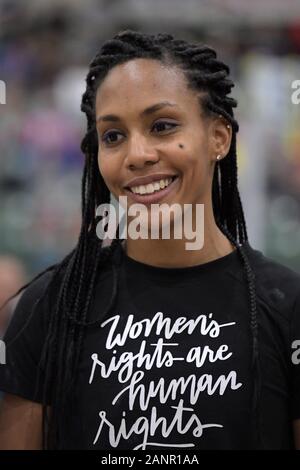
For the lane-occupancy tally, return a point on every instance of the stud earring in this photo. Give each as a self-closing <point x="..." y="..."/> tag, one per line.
<point x="219" y="157"/>
<point x="220" y="116"/>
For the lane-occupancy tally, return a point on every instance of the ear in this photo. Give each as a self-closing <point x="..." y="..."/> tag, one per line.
<point x="220" y="138"/>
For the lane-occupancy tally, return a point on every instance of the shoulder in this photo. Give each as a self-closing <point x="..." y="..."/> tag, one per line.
<point x="36" y="289"/>
<point x="31" y="305"/>
<point x="269" y="272"/>
<point x="276" y="284"/>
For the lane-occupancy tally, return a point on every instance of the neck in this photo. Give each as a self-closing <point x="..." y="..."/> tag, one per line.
<point x="172" y="252"/>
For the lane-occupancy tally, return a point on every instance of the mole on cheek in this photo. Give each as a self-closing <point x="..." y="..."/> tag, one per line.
<point x="180" y="146"/>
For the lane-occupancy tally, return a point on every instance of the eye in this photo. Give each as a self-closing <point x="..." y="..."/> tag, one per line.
<point x="163" y="126"/>
<point x="111" y="137"/>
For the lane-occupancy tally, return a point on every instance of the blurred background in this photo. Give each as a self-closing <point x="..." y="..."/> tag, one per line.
<point x="45" y="49"/>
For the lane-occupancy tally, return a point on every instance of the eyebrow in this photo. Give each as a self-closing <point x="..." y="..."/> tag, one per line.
<point x="146" y="112"/>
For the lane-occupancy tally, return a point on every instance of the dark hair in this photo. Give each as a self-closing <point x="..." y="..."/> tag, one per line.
<point x="77" y="271"/>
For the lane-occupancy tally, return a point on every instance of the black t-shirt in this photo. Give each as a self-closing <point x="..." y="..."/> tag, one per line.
<point x="169" y="366"/>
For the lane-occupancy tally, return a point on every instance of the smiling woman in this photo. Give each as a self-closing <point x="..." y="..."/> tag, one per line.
<point x="160" y="130"/>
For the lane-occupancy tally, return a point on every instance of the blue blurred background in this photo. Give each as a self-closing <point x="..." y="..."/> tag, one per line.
<point x="45" y="48"/>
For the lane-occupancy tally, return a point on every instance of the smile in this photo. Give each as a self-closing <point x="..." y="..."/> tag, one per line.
<point x="152" y="192"/>
<point x="152" y="187"/>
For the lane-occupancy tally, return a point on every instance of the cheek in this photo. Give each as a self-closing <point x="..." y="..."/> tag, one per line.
<point x="187" y="159"/>
<point x="105" y="170"/>
<point x="191" y="161"/>
<point x="106" y="165"/>
<point x="196" y="158"/>
<point x="194" y="148"/>
<point x="109" y="172"/>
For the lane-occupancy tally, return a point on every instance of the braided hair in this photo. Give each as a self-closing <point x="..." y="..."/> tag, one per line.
<point x="68" y="320"/>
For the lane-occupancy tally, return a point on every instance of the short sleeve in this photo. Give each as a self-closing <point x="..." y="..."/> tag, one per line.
<point x="23" y="342"/>
<point x="295" y="358"/>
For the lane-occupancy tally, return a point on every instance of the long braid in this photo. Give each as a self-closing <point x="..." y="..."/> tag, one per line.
<point x="73" y="280"/>
<point x="255" y="363"/>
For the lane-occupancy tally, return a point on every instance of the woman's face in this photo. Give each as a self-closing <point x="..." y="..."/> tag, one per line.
<point x="149" y="124"/>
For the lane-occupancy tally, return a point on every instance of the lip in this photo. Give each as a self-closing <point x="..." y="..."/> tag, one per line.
<point x="143" y="180"/>
<point x="155" y="197"/>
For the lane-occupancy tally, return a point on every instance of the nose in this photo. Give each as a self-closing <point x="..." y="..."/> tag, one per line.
<point x="140" y="152"/>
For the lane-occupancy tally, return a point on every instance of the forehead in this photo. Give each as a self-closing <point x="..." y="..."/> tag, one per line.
<point x="146" y="79"/>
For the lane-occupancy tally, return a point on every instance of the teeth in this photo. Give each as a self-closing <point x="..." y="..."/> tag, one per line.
<point x="152" y="187"/>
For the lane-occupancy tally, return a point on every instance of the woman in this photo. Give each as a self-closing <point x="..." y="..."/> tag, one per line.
<point x="146" y="344"/>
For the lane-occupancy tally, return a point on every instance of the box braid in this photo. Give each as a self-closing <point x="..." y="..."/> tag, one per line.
<point x="73" y="279"/>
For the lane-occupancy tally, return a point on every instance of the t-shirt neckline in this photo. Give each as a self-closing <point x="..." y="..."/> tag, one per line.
<point x="217" y="264"/>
